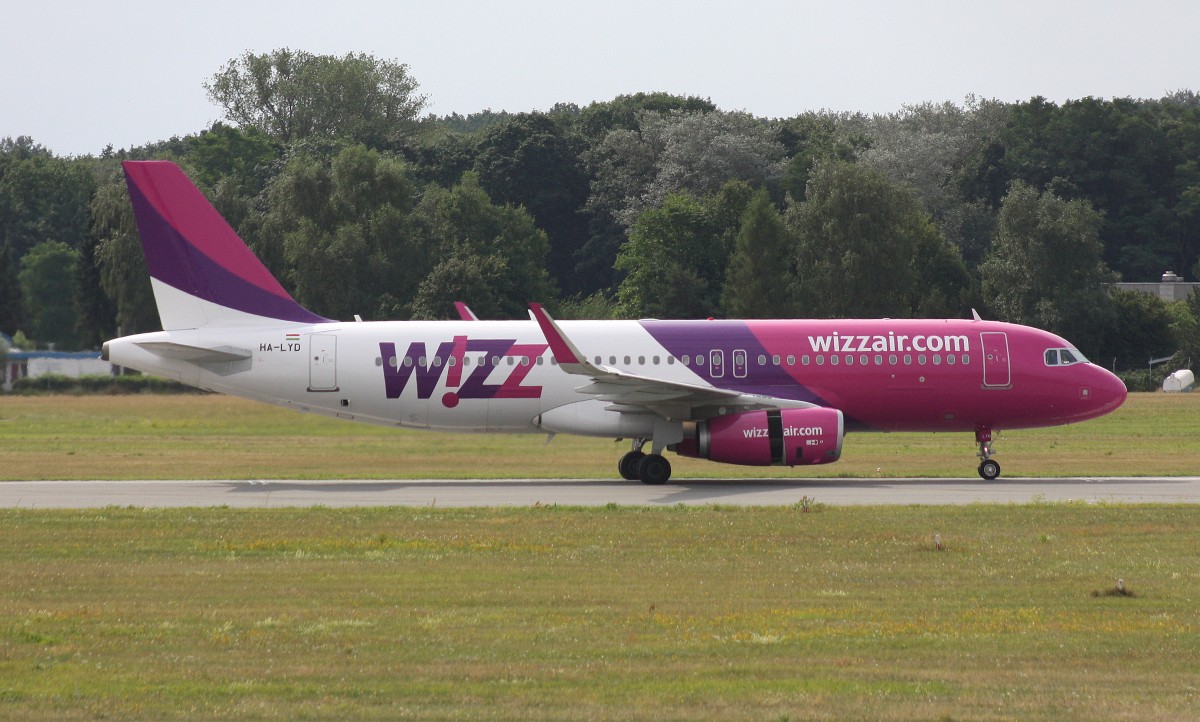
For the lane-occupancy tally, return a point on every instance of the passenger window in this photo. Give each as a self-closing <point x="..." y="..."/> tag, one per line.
<point x="804" y="359"/>
<point x="791" y="360"/>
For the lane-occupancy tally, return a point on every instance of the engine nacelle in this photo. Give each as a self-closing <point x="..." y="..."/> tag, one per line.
<point x="791" y="437"/>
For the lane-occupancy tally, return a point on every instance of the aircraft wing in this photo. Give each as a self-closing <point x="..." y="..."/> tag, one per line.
<point x="634" y="393"/>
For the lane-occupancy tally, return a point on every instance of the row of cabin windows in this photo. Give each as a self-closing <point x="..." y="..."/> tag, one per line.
<point x="717" y="360"/>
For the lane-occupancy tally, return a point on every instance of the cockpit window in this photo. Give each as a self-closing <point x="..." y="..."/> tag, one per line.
<point x="1064" y="357"/>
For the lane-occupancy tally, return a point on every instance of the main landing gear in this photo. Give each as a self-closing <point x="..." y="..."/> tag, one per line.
<point x="988" y="469"/>
<point x="648" y="468"/>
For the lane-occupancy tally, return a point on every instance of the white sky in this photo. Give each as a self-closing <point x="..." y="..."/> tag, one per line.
<point x="77" y="75"/>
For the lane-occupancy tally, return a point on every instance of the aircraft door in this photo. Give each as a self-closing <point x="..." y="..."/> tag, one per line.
<point x="997" y="374"/>
<point x="739" y="363"/>
<point x="322" y="365"/>
<point x="716" y="363"/>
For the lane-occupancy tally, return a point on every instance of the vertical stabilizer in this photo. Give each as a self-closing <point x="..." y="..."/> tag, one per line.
<point x="202" y="273"/>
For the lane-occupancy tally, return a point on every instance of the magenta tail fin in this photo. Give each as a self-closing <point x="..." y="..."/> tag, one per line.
<point x="202" y="272"/>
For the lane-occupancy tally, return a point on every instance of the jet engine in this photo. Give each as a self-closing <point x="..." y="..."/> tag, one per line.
<point x="791" y="437"/>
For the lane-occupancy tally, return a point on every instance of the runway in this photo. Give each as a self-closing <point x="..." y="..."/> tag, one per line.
<point x="591" y="492"/>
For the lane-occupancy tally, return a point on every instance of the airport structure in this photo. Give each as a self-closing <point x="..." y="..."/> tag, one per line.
<point x="1171" y="288"/>
<point x="22" y="364"/>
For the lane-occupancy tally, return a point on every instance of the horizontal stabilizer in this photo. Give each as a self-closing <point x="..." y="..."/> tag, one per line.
<point x="195" y="354"/>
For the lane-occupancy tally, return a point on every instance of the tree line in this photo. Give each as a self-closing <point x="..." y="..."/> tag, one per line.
<point x="646" y="205"/>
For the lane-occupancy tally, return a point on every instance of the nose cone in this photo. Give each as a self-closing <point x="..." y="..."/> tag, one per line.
<point x="1102" y="393"/>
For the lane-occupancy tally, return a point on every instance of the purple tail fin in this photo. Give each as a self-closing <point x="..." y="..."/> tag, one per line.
<point x="202" y="273"/>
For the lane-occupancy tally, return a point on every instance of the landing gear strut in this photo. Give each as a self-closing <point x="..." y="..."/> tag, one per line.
<point x="636" y="465"/>
<point x="988" y="469"/>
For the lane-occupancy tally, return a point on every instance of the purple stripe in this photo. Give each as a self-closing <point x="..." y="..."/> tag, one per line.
<point x="694" y="338"/>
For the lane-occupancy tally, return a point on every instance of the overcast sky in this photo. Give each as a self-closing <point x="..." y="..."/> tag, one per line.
<point x="79" y="75"/>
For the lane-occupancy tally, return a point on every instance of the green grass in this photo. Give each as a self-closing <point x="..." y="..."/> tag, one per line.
<point x="206" y="437"/>
<point x="608" y="613"/>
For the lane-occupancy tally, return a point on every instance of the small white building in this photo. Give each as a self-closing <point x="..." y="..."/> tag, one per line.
<point x="1181" y="380"/>
<point x="20" y="364"/>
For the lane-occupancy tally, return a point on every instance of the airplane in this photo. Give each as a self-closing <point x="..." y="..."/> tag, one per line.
<point x="746" y="392"/>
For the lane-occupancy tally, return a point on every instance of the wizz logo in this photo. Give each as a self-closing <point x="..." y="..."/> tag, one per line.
<point x="449" y="361"/>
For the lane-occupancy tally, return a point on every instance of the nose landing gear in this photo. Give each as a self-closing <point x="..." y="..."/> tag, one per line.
<point x="988" y="469"/>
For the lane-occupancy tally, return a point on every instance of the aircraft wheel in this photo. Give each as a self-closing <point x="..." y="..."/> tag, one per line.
<point x="628" y="466"/>
<point x="654" y="469"/>
<point x="989" y="470"/>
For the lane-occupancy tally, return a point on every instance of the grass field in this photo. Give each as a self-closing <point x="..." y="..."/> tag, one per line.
<point x="609" y="613"/>
<point x="205" y="437"/>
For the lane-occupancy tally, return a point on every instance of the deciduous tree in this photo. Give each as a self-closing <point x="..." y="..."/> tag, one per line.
<point x="1045" y="268"/>
<point x="337" y="230"/>
<point x="495" y="252"/>
<point x="48" y="280"/>
<point x="292" y="94"/>
<point x="866" y="248"/>
<point x="12" y="305"/>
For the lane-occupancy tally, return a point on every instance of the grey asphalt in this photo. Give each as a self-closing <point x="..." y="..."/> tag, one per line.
<point x="594" y="492"/>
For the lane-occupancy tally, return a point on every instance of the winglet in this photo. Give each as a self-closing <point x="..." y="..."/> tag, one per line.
<point x="568" y="357"/>
<point x="464" y="312"/>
